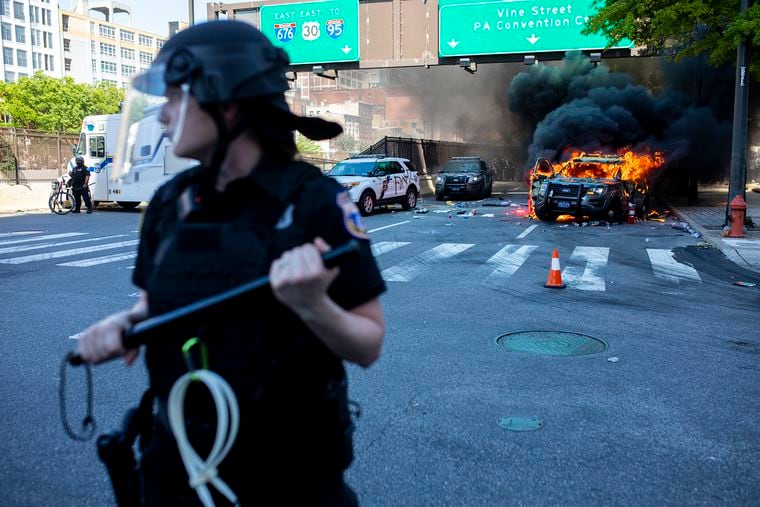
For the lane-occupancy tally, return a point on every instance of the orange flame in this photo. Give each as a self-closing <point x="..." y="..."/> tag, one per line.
<point x="627" y="165"/>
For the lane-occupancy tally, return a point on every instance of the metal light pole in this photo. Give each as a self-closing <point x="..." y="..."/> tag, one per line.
<point x="191" y="12"/>
<point x="738" y="175"/>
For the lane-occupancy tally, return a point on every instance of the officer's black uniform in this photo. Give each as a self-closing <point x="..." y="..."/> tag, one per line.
<point x="295" y="434"/>
<point x="79" y="174"/>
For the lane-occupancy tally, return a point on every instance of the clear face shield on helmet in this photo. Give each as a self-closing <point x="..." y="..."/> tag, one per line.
<point x="144" y="141"/>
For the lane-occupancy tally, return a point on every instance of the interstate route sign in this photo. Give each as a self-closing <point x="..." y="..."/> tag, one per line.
<point x="521" y="26"/>
<point x="314" y="32"/>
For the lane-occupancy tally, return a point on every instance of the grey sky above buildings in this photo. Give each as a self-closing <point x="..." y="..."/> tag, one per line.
<point x="153" y="15"/>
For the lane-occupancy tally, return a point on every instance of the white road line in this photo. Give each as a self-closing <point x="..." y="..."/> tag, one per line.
<point x="67" y="253"/>
<point x="505" y="262"/>
<point x="24" y="248"/>
<point x="666" y="267"/>
<point x="527" y="231"/>
<point x="584" y="271"/>
<point x="388" y="226"/>
<point x="42" y="238"/>
<point x="18" y="233"/>
<point x="86" y="263"/>
<point x="382" y="247"/>
<point x="410" y="268"/>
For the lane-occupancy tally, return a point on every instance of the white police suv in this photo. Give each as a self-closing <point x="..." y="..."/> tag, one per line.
<point x="374" y="180"/>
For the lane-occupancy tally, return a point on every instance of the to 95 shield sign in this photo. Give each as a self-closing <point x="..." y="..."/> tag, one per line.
<point x="314" y="32"/>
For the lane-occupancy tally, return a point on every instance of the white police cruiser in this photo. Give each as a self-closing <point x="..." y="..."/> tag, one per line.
<point x="373" y="180"/>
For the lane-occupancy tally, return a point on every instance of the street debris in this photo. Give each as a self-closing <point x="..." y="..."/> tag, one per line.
<point x="422" y="211"/>
<point x="745" y="284"/>
<point x="500" y="204"/>
<point x="704" y="244"/>
<point x="683" y="226"/>
<point x="487" y="215"/>
<point x="613" y="359"/>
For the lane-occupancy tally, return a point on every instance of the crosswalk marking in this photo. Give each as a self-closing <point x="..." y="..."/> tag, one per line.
<point x="388" y="226"/>
<point x="411" y="268"/>
<point x="666" y="267"/>
<point x="527" y="231"/>
<point x="24" y="248"/>
<point x="43" y="238"/>
<point x="505" y="263"/>
<point x="584" y="270"/>
<point x="86" y="263"/>
<point x="67" y="253"/>
<point x="18" y="233"/>
<point x="382" y="247"/>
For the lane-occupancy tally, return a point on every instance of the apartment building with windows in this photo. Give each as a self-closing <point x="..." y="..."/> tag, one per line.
<point x="97" y="49"/>
<point x="30" y="36"/>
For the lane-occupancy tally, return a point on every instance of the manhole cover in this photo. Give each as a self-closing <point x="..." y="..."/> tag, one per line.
<point x="513" y="423"/>
<point x="551" y="343"/>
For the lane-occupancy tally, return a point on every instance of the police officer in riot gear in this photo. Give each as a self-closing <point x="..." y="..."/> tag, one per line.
<point x="249" y="210"/>
<point x="80" y="179"/>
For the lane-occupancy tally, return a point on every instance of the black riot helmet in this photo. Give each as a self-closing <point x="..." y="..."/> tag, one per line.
<point x="225" y="61"/>
<point x="79" y="160"/>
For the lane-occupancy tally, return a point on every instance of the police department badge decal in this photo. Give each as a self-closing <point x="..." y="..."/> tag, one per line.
<point x="351" y="217"/>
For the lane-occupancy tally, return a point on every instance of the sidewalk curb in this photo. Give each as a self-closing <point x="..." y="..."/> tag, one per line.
<point x="716" y="240"/>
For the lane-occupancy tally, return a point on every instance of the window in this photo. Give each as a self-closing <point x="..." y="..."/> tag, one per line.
<point x="5" y="8"/>
<point x="49" y="17"/>
<point x="145" y="57"/>
<point x="97" y="146"/>
<point x="160" y="43"/>
<point x="36" y="60"/>
<point x="145" y="40"/>
<point x="22" y="74"/>
<point x="8" y="56"/>
<point x="67" y="44"/>
<point x="107" y="49"/>
<point x="21" y="58"/>
<point x="10" y="76"/>
<point x="65" y="23"/>
<point x="128" y="54"/>
<point x="94" y="65"/>
<point x="92" y="28"/>
<point x="111" y="81"/>
<point x="67" y="64"/>
<point x="48" y="39"/>
<point x="35" y="36"/>
<point x="127" y="36"/>
<point x="128" y="70"/>
<point x="18" y="10"/>
<point x="107" y="31"/>
<point x="108" y="67"/>
<point x="44" y="18"/>
<point x="7" y="31"/>
<point x="20" y="34"/>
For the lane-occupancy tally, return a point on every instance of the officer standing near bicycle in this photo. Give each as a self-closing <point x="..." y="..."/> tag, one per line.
<point x="249" y="210"/>
<point x="80" y="179"/>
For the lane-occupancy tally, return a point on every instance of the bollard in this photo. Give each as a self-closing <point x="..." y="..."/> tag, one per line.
<point x="738" y="211"/>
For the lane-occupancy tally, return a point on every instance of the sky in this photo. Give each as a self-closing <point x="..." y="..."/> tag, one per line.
<point x="153" y="15"/>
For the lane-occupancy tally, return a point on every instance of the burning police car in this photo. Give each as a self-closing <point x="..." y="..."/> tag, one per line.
<point x="595" y="186"/>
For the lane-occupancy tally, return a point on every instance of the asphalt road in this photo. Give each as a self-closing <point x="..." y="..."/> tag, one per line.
<point x="666" y="414"/>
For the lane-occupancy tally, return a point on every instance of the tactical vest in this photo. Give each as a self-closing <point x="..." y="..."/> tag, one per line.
<point x="291" y="389"/>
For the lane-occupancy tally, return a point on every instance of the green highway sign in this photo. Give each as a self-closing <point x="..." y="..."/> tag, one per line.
<point x="516" y="26"/>
<point x="314" y="32"/>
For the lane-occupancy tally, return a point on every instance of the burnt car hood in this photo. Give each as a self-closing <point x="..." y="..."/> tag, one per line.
<point x="588" y="181"/>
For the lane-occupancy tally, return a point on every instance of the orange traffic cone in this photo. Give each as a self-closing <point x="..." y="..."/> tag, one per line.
<point x="555" y="275"/>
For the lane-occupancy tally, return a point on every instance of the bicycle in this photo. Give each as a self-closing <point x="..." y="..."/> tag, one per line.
<point x="61" y="201"/>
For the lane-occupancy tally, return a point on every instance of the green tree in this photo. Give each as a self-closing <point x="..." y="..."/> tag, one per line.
<point x="306" y="145"/>
<point x="346" y="143"/>
<point x="682" y="28"/>
<point x="50" y="104"/>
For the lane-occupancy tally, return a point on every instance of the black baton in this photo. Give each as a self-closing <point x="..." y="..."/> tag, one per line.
<point x="139" y="333"/>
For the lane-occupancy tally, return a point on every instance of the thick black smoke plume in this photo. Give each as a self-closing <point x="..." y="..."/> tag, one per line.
<point x="579" y="105"/>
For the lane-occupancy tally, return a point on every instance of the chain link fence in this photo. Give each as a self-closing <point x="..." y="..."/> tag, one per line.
<point x="30" y="155"/>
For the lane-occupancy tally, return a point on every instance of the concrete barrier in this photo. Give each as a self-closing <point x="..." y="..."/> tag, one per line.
<point x="31" y="196"/>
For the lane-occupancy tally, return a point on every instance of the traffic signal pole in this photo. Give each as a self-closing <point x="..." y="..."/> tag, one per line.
<point x="738" y="175"/>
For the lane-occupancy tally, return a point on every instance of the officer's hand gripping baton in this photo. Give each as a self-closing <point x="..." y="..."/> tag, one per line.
<point x="142" y="332"/>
